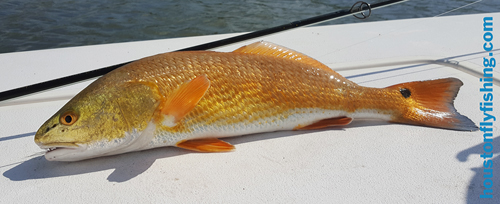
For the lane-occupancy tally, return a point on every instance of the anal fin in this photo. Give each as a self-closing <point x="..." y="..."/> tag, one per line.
<point x="206" y="145"/>
<point x="338" y="121"/>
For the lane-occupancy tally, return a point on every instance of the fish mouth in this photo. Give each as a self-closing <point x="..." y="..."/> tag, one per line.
<point x="58" y="145"/>
<point x="61" y="151"/>
<point x="51" y="149"/>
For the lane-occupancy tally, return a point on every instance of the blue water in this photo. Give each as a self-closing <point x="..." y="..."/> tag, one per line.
<point x="41" y="24"/>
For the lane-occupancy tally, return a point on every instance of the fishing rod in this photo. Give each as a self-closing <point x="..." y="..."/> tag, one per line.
<point x="358" y="8"/>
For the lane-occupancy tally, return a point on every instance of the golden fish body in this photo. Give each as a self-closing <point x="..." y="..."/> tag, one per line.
<point x="188" y="99"/>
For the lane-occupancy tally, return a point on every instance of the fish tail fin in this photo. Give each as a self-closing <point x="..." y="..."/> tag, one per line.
<point x="430" y="103"/>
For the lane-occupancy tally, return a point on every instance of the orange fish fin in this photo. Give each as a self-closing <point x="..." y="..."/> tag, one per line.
<point x="183" y="100"/>
<point x="206" y="145"/>
<point x="430" y="103"/>
<point x="271" y="49"/>
<point x="338" y="121"/>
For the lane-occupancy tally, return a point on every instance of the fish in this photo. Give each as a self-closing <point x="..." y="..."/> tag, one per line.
<point x="192" y="99"/>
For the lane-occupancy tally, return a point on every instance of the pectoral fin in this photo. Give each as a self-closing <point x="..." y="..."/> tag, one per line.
<point x="326" y="123"/>
<point x="183" y="100"/>
<point x="206" y="145"/>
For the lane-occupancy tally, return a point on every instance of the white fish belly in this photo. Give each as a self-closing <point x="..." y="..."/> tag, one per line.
<point x="301" y="117"/>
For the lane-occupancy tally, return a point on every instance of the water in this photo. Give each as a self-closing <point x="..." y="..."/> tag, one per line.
<point x="42" y="24"/>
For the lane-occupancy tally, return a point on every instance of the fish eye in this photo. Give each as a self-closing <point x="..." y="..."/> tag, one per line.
<point x="68" y="118"/>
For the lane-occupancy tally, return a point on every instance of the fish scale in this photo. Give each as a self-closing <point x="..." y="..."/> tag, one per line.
<point x="241" y="91"/>
<point x="243" y="81"/>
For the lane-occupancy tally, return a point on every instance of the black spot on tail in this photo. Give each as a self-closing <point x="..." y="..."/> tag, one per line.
<point x="405" y="92"/>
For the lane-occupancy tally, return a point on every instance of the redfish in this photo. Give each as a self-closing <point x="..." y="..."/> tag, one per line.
<point x="191" y="99"/>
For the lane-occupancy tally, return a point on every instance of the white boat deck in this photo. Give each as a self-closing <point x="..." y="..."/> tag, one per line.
<point x="364" y="162"/>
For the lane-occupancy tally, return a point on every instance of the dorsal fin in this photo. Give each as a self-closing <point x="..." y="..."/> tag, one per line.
<point x="271" y="49"/>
